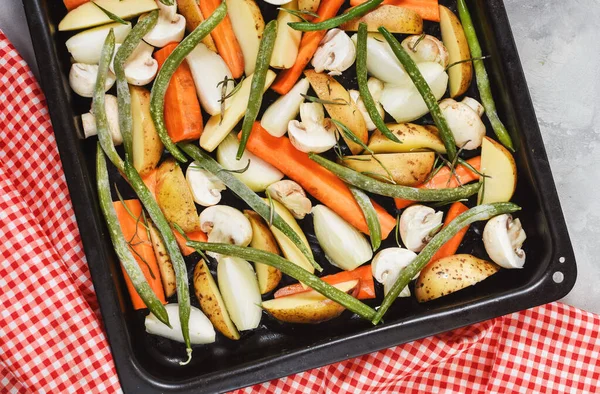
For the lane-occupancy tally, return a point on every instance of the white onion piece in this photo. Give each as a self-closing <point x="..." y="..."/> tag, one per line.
<point x="201" y="329"/>
<point x="276" y="118"/>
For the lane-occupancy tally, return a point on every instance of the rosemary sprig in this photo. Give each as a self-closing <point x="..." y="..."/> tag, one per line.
<point x="466" y="61"/>
<point x="313" y="99"/>
<point x="109" y="14"/>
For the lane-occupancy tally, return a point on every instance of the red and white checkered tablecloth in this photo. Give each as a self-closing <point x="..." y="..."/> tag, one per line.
<point x="51" y="338"/>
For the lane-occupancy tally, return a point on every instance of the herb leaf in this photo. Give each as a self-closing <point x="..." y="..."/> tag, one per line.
<point x="109" y="14"/>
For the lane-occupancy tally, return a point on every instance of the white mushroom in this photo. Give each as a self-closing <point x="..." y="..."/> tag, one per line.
<point x="315" y="133"/>
<point x="82" y="79"/>
<point x="503" y="238"/>
<point x="464" y="120"/>
<point x="111" y="106"/>
<point x="336" y="53"/>
<point x="140" y="68"/>
<point x="387" y="265"/>
<point x="224" y="224"/>
<point x="206" y="188"/>
<point x="417" y="223"/>
<point x="169" y="28"/>
<point x="292" y="196"/>
<point x="426" y="49"/>
<point x="375" y="87"/>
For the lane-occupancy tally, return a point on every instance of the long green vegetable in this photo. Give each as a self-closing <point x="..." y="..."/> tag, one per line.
<point x="120" y="244"/>
<point x="249" y="197"/>
<point x="161" y="83"/>
<point x="363" y="86"/>
<point x="366" y="205"/>
<point x="483" y="82"/>
<point x="478" y="213"/>
<point x="371" y="185"/>
<point x="291" y="269"/>
<point x="98" y="107"/>
<point x="130" y="43"/>
<point x="415" y="75"/>
<point x="352" y="13"/>
<point x="257" y="87"/>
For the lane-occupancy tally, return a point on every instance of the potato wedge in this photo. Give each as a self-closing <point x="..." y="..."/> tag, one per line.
<point x="263" y="239"/>
<point x="147" y="146"/>
<point x="498" y="164"/>
<point x="175" y="198"/>
<point x="395" y="19"/>
<point x="88" y="15"/>
<point x="414" y="138"/>
<point x="450" y="274"/>
<point x="193" y="17"/>
<point x="287" y="41"/>
<point x="248" y="26"/>
<point x="408" y="169"/>
<point x="216" y="129"/>
<point x="454" y="39"/>
<point x="346" y="112"/>
<point x="167" y="273"/>
<point x="309" y="5"/>
<point x="211" y="301"/>
<point x="309" y="307"/>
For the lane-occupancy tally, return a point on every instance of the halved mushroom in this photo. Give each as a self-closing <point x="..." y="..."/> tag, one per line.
<point x="315" y="133"/>
<point x="169" y="28"/>
<point x="464" y="120"/>
<point x="503" y="238"/>
<point x="417" y="226"/>
<point x="206" y="188"/>
<point x="224" y="224"/>
<point x="426" y="49"/>
<point x="375" y="88"/>
<point x="387" y="265"/>
<point x="82" y="79"/>
<point x="292" y="196"/>
<point x="111" y="106"/>
<point x="140" y="68"/>
<point x="336" y="53"/>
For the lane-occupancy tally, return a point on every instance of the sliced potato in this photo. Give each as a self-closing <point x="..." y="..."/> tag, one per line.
<point x="263" y="239"/>
<point x="88" y="15"/>
<point x="216" y="129"/>
<point x="395" y="19"/>
<point x="287" y="41"/>
<point x="167" y="273"/>
<point x="498" y="164"/>
<point x="346" y="112"/>
<point x="211" y="301"/>
<point x="175" y="198"/>
<point x="309" y="306"/>
<point x="414" y="138"/>
<point x="147" y="146"/>
<point x="408" y="169"/>
<point x="309" y="5"/>
<point x="248" y="25"/>
<point x="451" y="274"/>
<point x="193" y="17"/>
<point x="454" y="39"/>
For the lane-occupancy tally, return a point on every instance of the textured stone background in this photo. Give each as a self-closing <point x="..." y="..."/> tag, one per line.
<point x="560" y="50"/>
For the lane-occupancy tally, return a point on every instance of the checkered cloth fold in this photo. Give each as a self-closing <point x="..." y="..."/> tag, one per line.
<point x="51" y="338"/>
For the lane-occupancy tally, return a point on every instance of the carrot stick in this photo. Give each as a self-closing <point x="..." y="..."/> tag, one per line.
<point x="440" y="180"/>
<point x="183" y="116"/>
<point x="141" y="248"/>
<point x="150" y="181"/>
<point x="227" y="45"/>
<point x="71" y="4"/>
<point x="451" y="246"/>
<point x="198" y="236"/>
<point x="427" y="9"/>
<point x="308" y="46"/>
<point x="366" y="290"/>
<point x="316" y="180"/>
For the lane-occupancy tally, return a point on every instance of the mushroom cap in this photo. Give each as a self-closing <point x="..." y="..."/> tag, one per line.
<point x="205" y="187"/>
<point x="140" y="68"/>
<point x="82" y="78"/>
<point x="169" y="28"/>
<point x="416" y="224"/>
<point x="292" y="196"/>
<point x="336" y="53"/>
<point x="312" y="137"/>
<point x="426" y="49"/>
<point x="225" y="224"/>
<point x="387" y="265"/>
<point x="465" y="124"/>
<point x="503" y="238"/>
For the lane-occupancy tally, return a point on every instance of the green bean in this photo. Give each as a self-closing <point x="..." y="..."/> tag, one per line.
<point x="161" y="83"/>
<point x="133" y="270"/>
<point x="130" y="43"/>
<point x="365" y="204"/>
<point x="263" y="58"/>
<point x="291" y="269"/>
<point x="98" y="107"/>
<point x="249" y="197"/>
<point x="483" y="82"/>
<point x="161" y="223"/>
<point x="363" y="87"/>
<point x="371" y="185"/>
<point x="478" y="213"/>
<point x="354" y="12"/>
<point x="415" y="75"/>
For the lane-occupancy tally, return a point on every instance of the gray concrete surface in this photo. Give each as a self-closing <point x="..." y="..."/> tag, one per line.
<point x="560" y="51"/>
